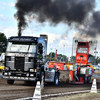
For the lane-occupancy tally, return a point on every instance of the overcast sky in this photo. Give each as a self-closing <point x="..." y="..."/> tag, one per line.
<point x="59" y="37"/>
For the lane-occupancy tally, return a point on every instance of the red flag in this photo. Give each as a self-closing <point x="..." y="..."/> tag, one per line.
<point x="56" y="55"/>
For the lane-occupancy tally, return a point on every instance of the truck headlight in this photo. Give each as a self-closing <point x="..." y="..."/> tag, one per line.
<point x="5" y="74"/>
<point x="9" y="73"/>
<point x="31" y="70"/>
<point x="27" y="74"/>
<point x="31" y="74"/>
<point x="7" y="68"/>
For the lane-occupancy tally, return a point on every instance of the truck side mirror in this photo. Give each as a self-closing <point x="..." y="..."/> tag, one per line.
<point x="40" y="48"/>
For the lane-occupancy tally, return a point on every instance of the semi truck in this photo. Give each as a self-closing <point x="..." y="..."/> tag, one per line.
<point x="25" y="59"/>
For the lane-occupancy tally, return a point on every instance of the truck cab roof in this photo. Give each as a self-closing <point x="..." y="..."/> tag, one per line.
<point x="24" y="39"/>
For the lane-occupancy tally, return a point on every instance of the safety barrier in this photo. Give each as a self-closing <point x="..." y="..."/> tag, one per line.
<point x="37" y="92"/>
<point x="94" y="87"/>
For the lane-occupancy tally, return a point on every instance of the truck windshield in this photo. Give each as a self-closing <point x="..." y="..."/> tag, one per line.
<point x="21" y="47"/>
<point x="82" y="50"/>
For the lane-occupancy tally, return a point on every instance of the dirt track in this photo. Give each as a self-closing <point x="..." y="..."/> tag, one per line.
<point x="21" y="90"/>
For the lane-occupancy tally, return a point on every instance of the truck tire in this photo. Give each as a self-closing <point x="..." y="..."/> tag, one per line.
<point x="88" y="79"/>
<point x="56" y="79"/>
<point x="10" y="81"/>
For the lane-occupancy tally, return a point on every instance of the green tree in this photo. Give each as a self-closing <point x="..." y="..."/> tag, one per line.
<point x="73" y="59"/>
<point x="3" y="42"/>
<point x="98" y="60"/>
<point x="51" y="57"/>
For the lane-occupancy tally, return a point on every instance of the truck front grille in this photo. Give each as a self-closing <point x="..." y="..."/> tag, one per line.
<point x="19" y="63"/>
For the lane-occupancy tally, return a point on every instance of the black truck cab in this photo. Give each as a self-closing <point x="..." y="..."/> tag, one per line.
<point x="25" y="58"/>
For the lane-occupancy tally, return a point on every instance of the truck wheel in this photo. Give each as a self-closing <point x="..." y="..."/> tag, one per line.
<point x="88" y="79"/>
<point x="10" y="81"/>
<point x="56" y="79"/>
<point x="85" y="80"/>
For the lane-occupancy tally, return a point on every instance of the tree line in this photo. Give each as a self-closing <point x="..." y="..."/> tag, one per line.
<point x="60" y="57"/>
<point x="3" y="42"/>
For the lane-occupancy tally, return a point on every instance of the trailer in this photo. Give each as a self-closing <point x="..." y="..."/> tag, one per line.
<point x="83" y="59"/>
<point x="81" y="71"/>
<point x="52" y="75"/>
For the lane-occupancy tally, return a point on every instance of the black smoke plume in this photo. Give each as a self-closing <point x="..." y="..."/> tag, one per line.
<point x="92" y="25"/>
<point x="54" y="11"/>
